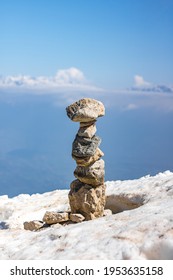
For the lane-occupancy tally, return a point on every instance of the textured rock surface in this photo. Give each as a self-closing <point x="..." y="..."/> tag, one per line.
<point x="84" y="124"/>
<point x="83" y="147"/>
<point x="33" y="225"/>
<point x="86" y="200"/>
<point x="85" y="110"/>
<point x="55" y="217"/>
<point x="92" y="174"/>
<point x="77" y="218"/>
<point x="85" y="161"/>
<point x="87" y="194"/>
<point x="87" y="131"/>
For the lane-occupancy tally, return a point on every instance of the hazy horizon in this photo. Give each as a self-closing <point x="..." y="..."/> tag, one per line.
<point x="36" y="141"/>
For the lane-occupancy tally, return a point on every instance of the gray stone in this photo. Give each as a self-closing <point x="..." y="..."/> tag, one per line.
<point x="85" y="110"/>
<point x="92" y="174"/>
<point x="55" y="217"/>
<point x="83" y="147"/>
<point x="86" y="200"/>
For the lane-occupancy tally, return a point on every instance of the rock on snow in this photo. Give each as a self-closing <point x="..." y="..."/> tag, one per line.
<point x="141" y="226"/>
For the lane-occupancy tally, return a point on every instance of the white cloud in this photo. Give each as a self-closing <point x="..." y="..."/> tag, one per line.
<point x="71" y="79"/>
<point x="69" y="85"/>
<point x="140" y="85"/>
<point x="142" y="95"/>
<point x="70" y="76"/>
<point x="140" y="82"/>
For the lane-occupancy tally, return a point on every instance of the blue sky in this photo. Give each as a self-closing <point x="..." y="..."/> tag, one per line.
<point x="109" y="41"/>
<point x="53" y="53"/>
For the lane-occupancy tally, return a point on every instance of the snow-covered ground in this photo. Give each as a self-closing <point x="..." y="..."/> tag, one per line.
<point x="141" y="226"/>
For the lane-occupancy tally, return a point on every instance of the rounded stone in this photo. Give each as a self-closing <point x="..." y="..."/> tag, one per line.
<point x="85" y="110"/>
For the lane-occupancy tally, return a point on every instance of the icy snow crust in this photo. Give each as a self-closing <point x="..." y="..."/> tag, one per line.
<point x="140" y="228"/>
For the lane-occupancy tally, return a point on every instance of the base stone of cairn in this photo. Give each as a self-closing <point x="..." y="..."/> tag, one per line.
<point x="87" y="192"/>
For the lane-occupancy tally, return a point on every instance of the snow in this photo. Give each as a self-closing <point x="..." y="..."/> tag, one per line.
<point x="141" y="226"/>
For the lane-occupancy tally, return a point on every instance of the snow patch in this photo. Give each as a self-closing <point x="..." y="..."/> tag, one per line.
<point x="142" y="227"/>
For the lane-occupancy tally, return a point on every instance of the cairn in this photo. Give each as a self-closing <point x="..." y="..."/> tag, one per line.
<point x="87" y="192"/>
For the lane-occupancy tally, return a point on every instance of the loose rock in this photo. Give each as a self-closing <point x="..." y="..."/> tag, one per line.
<point x="33" y="225"/>
<point x="55" y="217"/>
<point x="77" y="218"/>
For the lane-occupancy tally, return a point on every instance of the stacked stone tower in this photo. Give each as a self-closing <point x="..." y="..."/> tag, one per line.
<point x="87" y="192"/>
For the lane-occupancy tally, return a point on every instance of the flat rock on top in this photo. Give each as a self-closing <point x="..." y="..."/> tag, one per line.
<point x="85" y="110"/>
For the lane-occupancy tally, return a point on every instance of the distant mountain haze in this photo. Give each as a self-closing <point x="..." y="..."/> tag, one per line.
<point x="36" y="141"/>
